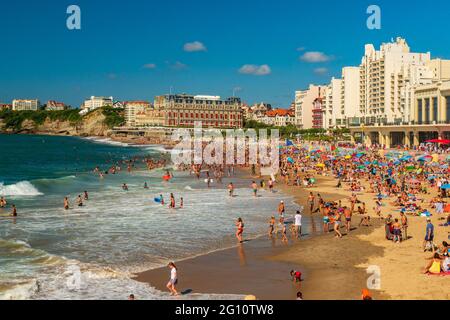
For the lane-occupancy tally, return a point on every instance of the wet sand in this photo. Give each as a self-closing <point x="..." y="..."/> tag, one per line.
<point x="261" y="267"/>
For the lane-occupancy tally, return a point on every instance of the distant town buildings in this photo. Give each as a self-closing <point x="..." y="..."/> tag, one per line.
<point x="25" y="105"/>
<point x="55" y="106"/>
<point x="256" y="112"/>
<point x="278" y="117"/>
<point x="96" y="102"/>
<point x="4" y="106"/>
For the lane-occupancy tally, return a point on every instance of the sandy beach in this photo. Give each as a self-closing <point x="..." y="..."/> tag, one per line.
<point x="332" y="268"/>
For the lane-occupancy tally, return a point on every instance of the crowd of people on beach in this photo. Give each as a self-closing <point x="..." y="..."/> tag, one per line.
<point x="415" y="183"/>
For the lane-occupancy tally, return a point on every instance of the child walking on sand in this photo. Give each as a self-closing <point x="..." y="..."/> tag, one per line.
<point x="173" y="279"/>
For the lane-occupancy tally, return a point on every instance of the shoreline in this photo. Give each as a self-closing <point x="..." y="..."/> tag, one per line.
<point x="263" y="256"/>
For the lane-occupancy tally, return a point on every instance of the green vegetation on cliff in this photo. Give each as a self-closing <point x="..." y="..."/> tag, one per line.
<point x="113" y="117"/>
<point x="14" y="119"/>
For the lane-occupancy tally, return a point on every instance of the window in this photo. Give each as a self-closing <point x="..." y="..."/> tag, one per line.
<point x="435" y="109"/>
<point x="419" y="111"/>
<point x="447" y="109"/>
<point x="427" y="110"/>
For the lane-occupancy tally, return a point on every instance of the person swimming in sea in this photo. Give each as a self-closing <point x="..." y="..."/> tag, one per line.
<point x="14" y="211"/>
<point x="124" y="187"/>
<point x="181" y="203"/>
<point x="66" y="203"/>
<point x="80" y="201"/>
<point x="161" y="199"/>
<point x="86" y="196"/>
<point x="145" y="185"/>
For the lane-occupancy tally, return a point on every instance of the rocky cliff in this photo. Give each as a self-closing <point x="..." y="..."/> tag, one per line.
<point x="92" y="124"/>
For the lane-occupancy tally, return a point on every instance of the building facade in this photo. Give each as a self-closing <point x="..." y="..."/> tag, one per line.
<point x="25" y="105"/>
<point x="55" y="106"/>
<point x="184" y="110"/>
<point x="304" y="104"/>
<point x="278" y="118"/>
<point x="96" y="102"/>
<point x="386" y="77"/>
<point x="132" y="108"/>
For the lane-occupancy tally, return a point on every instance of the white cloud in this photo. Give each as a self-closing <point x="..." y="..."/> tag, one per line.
<point x="315" y="57"/>
<point x="255" y="70"/>
<point x="194" y="46"/>
<point x="149" y="66"/>
<point x="321" y="71"/>
<point x="178" y="66"/>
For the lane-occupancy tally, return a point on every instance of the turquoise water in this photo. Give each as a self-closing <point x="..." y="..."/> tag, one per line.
<point x="116" y="232"/>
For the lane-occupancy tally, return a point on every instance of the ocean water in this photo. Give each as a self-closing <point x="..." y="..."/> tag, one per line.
<point x="91" y="252"/>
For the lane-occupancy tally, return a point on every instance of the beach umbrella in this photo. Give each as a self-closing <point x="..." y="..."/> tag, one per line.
<point x="289" y="143"/>
<point x="320" y="165"/>
<point x="289" y="159"/>
<point x="445" y="186"/>
<point x="348" y="157"/>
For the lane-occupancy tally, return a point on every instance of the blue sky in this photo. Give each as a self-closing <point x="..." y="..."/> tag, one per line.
<point x="135" y="49"/>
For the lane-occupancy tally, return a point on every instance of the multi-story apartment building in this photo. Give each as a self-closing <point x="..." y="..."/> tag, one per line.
<point x="25" y="105"/>
<point x="184" y="110"/>
<point x="304" y="104"/>
<point x="96" y="102"/>
<point x="132" y="108"/>
<point x="386" y="77"/>
<point x="55" y="106"/>
<point x="350" y="112"/>
<point x="332" y="99"/>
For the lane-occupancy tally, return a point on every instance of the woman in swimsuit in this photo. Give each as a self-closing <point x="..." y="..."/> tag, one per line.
<point x="240" y="229"/>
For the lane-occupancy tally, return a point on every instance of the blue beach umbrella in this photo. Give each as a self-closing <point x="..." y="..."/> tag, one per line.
<point x="445" y="186"/>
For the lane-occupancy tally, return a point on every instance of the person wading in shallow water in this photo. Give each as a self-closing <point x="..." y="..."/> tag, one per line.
<point x="171" y="285"/>
<point x="240" y="229"/>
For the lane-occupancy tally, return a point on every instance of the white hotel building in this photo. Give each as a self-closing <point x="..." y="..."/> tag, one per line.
<point x="95" y="103"/>
<point x="25" y="105"/>
<point x="380" y="91"/>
